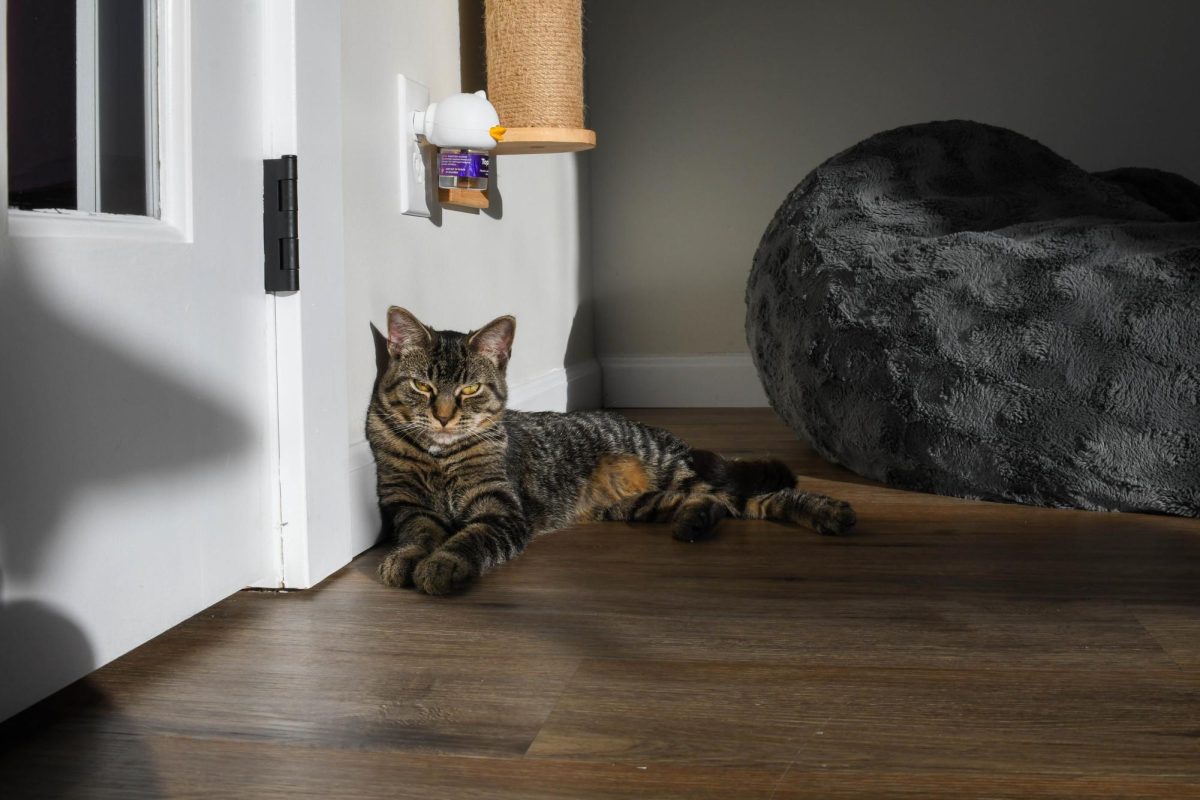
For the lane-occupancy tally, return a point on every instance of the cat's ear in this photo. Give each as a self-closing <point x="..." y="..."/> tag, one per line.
<point x="494" y="340"/>
<point x="406" y="332"/>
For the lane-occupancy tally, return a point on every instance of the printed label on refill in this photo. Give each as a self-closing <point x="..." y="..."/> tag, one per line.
<point x="463" y="165"/>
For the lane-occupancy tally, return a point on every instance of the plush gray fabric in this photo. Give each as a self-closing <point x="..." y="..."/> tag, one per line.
<point x="954" y="308"/>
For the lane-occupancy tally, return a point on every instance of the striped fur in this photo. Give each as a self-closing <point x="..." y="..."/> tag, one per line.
<point x="464" y="484"/>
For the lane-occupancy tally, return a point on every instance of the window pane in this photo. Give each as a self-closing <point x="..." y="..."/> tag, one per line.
<point x="122" y="105"/>
<point x="41" y="104"/>
<point x="80" y="133"/>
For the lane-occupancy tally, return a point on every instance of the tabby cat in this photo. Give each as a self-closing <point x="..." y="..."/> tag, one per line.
<point x="465" y="484"/>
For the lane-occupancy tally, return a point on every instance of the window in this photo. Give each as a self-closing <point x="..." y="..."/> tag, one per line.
<point x="81" y="106"/>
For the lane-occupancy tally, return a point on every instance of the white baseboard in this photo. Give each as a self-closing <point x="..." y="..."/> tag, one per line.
<point x="728" y="381"/>
<point x="562" y="389"/>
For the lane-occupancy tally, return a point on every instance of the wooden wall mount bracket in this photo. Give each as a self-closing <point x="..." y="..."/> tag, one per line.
<point x="463" y="198"/>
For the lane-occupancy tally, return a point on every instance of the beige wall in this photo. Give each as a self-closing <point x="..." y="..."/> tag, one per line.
<point x="527" y="260"/>
<point x="709" y="113"/>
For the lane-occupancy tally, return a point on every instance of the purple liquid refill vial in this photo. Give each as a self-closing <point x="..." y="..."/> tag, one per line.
<point x="463" y="169"/>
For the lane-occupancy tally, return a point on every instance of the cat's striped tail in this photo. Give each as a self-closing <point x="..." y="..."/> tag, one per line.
<point x="768" y="489"/>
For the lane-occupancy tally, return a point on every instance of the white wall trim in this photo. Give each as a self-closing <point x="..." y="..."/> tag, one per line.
<point x="308" y="328"/>
<point x="728" y="380"/>
<point x="562" y="389"/>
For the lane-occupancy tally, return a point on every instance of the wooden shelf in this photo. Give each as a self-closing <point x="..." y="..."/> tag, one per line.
<point x="464" y="198"/>
<point x="519" y="141"/>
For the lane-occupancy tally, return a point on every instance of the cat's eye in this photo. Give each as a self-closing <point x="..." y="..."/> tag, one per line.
<point x="421" y="386"/>
<point x="471" y="389"/>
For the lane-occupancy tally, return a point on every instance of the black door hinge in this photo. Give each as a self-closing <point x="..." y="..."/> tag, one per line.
<point x="281" y="239"/>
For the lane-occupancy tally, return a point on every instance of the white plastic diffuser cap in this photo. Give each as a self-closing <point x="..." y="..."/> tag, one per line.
<point x="465" y="121"/>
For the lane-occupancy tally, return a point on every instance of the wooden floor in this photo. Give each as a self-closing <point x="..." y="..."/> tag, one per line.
<point x="945" y="649"/>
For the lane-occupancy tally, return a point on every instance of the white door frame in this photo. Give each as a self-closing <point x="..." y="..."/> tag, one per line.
<point x="303" y="68"/>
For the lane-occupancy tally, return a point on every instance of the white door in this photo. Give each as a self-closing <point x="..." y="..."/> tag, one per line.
<point x="139" y="469"/>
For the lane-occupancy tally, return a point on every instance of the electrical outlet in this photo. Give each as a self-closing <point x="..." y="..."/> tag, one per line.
<point x="416" y="170"/>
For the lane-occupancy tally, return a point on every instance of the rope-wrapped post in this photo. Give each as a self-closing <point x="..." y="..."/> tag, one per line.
<point x="535" y="62"/>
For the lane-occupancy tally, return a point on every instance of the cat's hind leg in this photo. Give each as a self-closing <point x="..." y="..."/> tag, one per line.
<point x="694" y="512"/>
<point x="767" y="489"/>
<point x="653" y="506"/>
<point x="823" y="514"/>
<point x="622" y="488"/>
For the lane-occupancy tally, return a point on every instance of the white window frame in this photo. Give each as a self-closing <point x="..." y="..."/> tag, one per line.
<point x="168" y="141"/>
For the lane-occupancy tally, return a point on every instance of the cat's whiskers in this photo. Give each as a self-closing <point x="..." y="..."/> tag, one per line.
<point x="403" y="423"/>
<point x="490" y="432"/>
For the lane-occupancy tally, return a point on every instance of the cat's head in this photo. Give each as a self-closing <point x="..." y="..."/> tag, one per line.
<point x="442" y="386"/>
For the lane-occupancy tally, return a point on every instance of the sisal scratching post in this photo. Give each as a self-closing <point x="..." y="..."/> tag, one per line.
<point x="535" y="73"/>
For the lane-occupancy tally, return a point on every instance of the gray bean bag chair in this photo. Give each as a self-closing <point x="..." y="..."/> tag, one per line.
<point x="954" y="308"/>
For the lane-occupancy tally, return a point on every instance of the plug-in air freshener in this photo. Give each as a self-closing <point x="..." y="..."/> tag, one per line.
<point x="463" y="169"/>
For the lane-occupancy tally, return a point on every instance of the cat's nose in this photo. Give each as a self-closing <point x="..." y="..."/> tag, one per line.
<point x="443" y="411"/>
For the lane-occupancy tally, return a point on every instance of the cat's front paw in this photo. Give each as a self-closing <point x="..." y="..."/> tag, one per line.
<point x="834" y="517"/>
<point x="397" y="567"/>
<point x="442" y="573"/>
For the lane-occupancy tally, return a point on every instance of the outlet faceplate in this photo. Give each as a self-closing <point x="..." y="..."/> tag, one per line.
<point x="416" y="174"/>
